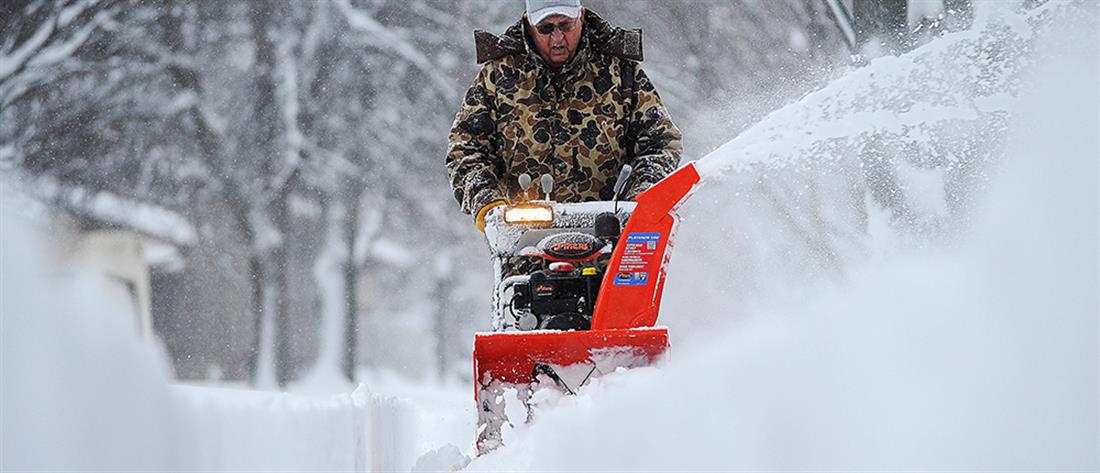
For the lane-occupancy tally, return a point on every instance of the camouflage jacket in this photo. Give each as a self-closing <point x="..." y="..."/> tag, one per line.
<point x="577" y="123"/>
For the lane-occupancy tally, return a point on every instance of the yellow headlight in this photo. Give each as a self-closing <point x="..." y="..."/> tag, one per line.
<point x="528" y="213"/>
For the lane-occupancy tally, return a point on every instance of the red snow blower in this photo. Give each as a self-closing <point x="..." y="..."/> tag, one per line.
<point x="590" y="305"/>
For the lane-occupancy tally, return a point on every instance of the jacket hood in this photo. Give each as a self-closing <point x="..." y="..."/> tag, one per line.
<point x="600" y="35"/>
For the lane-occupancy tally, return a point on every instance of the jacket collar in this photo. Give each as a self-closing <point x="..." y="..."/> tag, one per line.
<point x="598" y="35"/>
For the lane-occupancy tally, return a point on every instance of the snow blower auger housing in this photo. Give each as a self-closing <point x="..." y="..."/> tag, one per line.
<point x="592" y="306"/>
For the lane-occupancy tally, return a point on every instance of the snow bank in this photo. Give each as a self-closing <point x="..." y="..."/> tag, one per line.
<point x="978" y="354"/>
<point x="78" y="390"/>
<point x="81" y="391"/>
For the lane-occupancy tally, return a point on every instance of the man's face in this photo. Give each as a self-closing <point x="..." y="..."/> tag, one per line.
<point x="556" y="38"/>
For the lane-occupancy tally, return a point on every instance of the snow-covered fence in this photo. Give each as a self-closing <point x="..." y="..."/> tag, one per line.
<point x="244" y="430"/>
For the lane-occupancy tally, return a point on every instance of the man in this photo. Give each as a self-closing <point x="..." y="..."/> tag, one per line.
<point x="560" y="93"/>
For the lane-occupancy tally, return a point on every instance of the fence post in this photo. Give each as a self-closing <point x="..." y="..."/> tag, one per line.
<point x="360" y="405"/>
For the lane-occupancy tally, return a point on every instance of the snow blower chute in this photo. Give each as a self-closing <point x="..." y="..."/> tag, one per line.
<point x="588" y="304"/>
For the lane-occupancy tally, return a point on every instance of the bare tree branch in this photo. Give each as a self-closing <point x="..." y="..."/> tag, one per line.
<point x="384" y="39"/>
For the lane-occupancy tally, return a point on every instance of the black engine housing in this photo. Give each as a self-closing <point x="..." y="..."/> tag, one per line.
<point x="560" y="301"/>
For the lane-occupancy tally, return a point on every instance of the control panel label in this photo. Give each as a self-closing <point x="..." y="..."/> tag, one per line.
<point x="639" y="259"/>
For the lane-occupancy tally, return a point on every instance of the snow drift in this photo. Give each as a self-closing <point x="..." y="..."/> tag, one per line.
<point x="81" y="391"/>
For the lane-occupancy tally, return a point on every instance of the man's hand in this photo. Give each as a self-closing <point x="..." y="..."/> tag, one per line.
<point x="480" y="219"/>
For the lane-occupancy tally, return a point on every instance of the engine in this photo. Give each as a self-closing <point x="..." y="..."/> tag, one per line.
<point x="560" y="299"/>
<point x="564" y="296"/>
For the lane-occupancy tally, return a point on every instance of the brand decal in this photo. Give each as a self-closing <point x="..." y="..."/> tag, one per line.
<point x="573" y="246"/>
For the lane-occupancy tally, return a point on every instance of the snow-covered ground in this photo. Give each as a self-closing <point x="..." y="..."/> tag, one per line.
<point x="822" y="319"/>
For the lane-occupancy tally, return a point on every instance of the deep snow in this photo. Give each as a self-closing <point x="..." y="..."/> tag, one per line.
<point x="818" y="330"/>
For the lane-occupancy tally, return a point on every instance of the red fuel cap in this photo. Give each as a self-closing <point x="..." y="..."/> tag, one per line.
<point x="561" y="267"/>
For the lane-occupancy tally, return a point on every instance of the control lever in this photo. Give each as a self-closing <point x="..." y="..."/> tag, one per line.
<point x="525" y="184"/>
<point x="547" y="184"/>
<point x="620" y="184"/>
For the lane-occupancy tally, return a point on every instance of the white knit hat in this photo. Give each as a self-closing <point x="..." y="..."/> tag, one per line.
<point x="537" y="10"/>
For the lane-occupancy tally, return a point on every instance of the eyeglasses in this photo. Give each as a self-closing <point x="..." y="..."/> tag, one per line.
<point x="548" y="28"/>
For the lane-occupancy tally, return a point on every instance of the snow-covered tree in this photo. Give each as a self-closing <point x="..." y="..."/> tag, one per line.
<point x="306" y="139"/>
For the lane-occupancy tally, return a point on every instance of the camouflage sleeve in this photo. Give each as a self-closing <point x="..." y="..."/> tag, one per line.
<point x="473" y="165"/>
<point x="656" y="140"/>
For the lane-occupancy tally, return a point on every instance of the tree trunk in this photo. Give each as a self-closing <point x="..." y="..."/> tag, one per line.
<point x="336" y="275"/>
<point x="187" y="79"/>
<point x="266" y="122"/>
<point x="255" y="283"/>
<point x="354" y="193"/>
<point x="279" y="258"/>
<point x="444" y="284"/>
